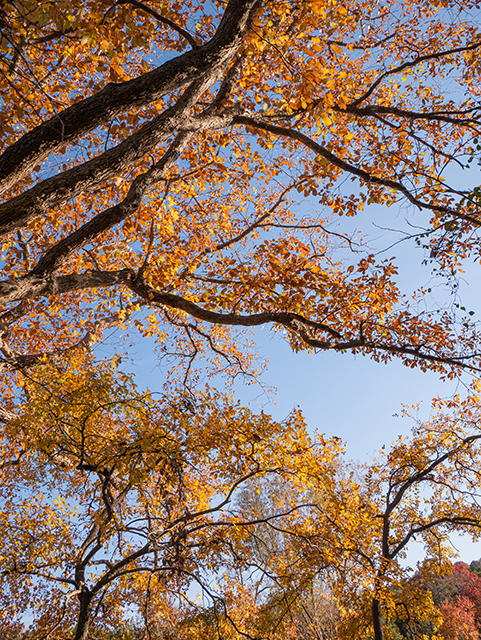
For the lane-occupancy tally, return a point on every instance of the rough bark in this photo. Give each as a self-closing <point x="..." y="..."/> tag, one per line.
<point x="376" y="620"/>
<point x="69" y="125"/>
<point x="84" y="616"/>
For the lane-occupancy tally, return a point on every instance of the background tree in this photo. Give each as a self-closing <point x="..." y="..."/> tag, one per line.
<point x="118" y="506"/>
<point x="458" y="620"/>
<point x="457" y="594"/>
<point x="424" y="488"/>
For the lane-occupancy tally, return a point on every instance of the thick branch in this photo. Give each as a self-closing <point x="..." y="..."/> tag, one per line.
<point x="34" y="286"/>
<point x="59" y="189"/>
<point x="117" y="99"/>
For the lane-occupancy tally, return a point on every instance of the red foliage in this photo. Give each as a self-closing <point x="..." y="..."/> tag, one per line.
<point x="459" y="599"/>
<point x="458" y="619"/>
<point x="471" y="588"/>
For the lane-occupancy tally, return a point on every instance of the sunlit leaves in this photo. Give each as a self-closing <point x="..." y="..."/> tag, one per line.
<point x="226" y="225"/>
<point x="110" y="490"/>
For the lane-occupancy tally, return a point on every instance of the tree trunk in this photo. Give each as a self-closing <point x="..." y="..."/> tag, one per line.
<point x="376" y="619"/>
<point x="84" y="619"/>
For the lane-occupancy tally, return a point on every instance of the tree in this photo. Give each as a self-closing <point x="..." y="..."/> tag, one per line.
<point x="153" y="156"/>
<point x="458" y="620"/>
<point x="152" y="161"/>
<point x="109" y="495"/>
<point x="117" y="505"/>
<point x="424" y="488"/>
<point x="351" y="578"/>
<point x="457" y="594"/>
<point x="302" y="604"/>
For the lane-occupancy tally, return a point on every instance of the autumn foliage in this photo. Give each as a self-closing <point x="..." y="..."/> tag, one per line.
<point x="118" y="504"/>
<point x="155" y="160"/>
<point x="460" y="605"/>
<point x="194" y="514"/>
<point x="177" y="172"/>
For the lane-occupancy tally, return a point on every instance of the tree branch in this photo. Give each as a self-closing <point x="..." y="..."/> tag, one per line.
<point x="59" y="189"/>
<point x="258" y="123"/>
<point x="408" y="65"/>
<point x="116" y="99"/>
<point x="185" y="34"/>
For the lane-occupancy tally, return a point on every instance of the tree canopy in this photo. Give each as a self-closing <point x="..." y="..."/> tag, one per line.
<point x="180" y="168"/>
<point x="118" y="504"/>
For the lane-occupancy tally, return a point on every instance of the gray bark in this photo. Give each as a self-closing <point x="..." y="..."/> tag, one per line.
<point x="69" y="125"/>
